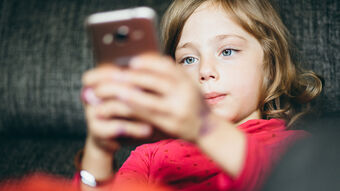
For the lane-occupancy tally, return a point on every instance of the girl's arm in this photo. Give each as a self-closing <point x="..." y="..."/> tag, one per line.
<point x="106" y="120"/>
<point x="97" y="161"/>
<point x="248" y="152"/>
<point x="224" y="143"/>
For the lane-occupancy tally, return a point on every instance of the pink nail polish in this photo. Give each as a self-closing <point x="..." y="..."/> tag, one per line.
<point x="146" y="130"/>
<point x="89" y="97"/>
<point x="134" y="62"/>
<point x="121" y="131"/>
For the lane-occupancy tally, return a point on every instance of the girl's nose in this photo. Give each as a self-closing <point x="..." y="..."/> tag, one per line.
<point x="208" y="72"/>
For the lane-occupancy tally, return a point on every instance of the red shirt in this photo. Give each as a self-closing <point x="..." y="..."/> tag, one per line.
<point x="182" y="166"/>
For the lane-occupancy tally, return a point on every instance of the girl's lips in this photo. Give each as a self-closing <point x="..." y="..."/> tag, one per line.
<point x="214" y="98"/>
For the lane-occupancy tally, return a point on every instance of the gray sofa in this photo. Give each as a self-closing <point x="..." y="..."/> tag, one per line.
<point x="44" y="51"/>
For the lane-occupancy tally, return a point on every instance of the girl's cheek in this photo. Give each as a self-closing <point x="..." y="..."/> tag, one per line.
<point x="192" y="71"/>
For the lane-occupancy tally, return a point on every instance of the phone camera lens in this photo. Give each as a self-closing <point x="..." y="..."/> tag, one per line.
<point x="122" y="34"/>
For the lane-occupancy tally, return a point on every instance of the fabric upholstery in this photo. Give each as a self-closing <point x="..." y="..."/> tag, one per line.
<point x="315" y="27"/>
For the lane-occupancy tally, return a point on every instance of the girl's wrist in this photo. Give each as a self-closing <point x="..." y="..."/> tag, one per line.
<point x="207" y="125"/>
<point x="97" y="161"/>
<point x="222" y="136"/>
<point x="101" y="148"/>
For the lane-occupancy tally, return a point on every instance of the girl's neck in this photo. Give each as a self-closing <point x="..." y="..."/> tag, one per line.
<point x="255" y="115"/>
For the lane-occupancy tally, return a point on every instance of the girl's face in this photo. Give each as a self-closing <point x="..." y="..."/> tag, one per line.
<point x="224" y="60"/>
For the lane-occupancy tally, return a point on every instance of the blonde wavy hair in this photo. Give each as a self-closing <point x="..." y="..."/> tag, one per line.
<point x="287" y="89"/>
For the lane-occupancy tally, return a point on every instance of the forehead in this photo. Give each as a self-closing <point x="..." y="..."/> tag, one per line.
<point x="211" y="19"/>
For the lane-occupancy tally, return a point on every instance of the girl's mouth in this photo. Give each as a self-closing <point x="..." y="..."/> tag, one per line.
<point x="214" y="98"/>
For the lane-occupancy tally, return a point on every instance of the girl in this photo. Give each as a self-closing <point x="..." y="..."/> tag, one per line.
<point x="227" y="91"/>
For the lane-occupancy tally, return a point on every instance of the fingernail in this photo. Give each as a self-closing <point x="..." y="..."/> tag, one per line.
<point x="146" y="130"/>
<point x="121" y="131"/>
<point x="88" y="96"/>
<point x="135" y="62"/>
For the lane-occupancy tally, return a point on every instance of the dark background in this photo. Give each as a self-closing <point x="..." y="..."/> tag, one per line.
<point x="44" y="51"/>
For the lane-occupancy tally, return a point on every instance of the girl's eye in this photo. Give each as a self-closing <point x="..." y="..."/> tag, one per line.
<point x="228" y="52"/>
<point x="189" y="60"/>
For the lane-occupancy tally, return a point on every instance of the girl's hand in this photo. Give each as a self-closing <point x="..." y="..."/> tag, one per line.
<point x="152" y="90"/>
<point x="102" y="123"/>
<point x="128" y="102"/>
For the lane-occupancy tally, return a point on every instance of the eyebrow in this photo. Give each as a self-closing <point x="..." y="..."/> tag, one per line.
<point x="216" y="38"/>
<point x="224" y="36"/>
<point x="185" y="45"/>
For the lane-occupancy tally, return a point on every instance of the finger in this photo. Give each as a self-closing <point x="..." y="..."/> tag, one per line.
<point x="113" y="108"/>
<point x="116" y="128"/>
<point x="149" y="81"/>
<point x="162" y="122"/>
<point x="162" y="65"/>
<point x="174" y="126"/>
<point x="89" y="97"/>
<point x="98" y="74"/>
<point x="131" y="96"/>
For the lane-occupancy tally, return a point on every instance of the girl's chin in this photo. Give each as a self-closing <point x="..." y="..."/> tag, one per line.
<point x="224" y="113"/>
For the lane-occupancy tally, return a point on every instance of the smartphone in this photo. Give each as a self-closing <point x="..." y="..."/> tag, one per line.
<point x="119" y="35"/>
